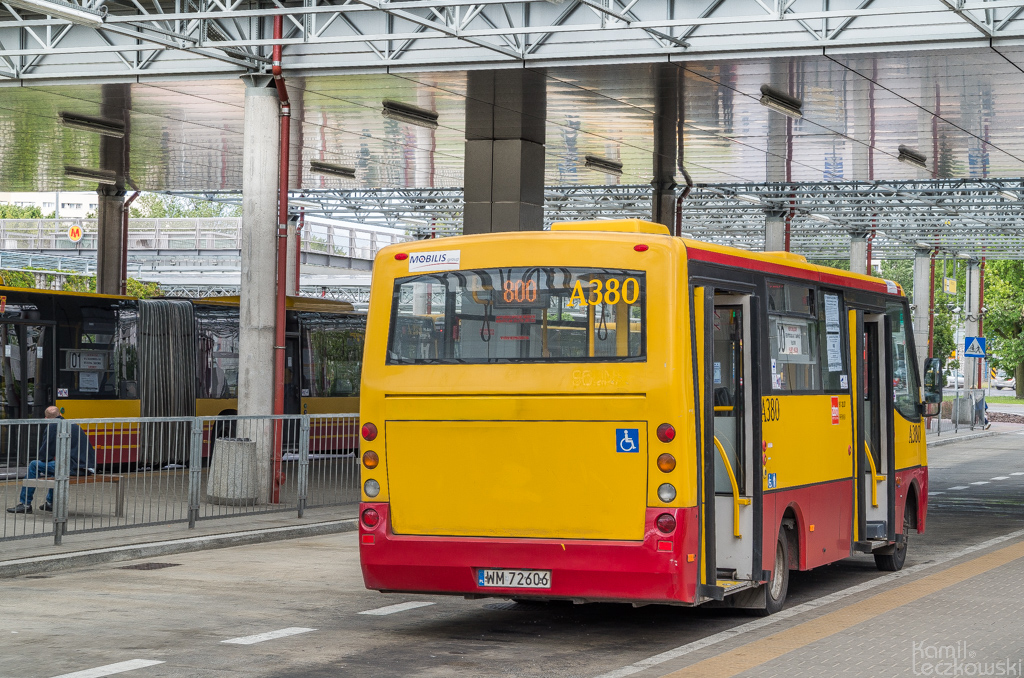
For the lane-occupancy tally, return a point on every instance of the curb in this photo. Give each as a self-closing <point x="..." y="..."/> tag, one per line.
<point x="63" y="561"/>
<point x="972" y="436"/>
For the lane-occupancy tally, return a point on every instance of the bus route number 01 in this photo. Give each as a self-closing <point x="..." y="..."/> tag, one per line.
<point x="770" y="409"/>
<point x="610" y="291"/>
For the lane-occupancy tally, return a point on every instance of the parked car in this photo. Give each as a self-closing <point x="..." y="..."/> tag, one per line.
<point x="1002" y="380"/>
<point x="959" y="383"/>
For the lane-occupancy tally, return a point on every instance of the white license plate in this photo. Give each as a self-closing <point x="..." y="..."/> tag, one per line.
<point x="514" y="579"/>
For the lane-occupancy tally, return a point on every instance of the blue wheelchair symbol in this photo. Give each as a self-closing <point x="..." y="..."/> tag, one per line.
<point x="627" y="439"/>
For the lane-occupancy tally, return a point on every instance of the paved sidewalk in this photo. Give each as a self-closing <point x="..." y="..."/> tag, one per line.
<point x="949" y="436"/>
<point x="39" y="554"/>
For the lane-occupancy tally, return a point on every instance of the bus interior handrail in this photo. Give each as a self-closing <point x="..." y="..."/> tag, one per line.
<point x="875" y="477"/>
<point x="737" y="500"/>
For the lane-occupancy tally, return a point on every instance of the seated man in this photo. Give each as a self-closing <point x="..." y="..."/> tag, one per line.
<point x="83" y="461"/>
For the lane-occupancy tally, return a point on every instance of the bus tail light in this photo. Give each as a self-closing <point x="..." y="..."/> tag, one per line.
<point x="369" y="431"/>
<point x="371" y="518"/>
<point x="666" y="433"/>
<point x="401" y="256"/>
<point x="666" y="522"/>
<point x="370" y="459"/>
<point x="666" y="492"/>
<point x="666" y="462"/>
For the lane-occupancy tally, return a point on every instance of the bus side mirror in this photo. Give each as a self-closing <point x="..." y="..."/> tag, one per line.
<point x="932" y="387"/>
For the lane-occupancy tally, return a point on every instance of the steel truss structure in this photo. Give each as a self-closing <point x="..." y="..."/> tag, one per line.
<point x="357" y="295"/>
<point x="128" y="39"/>
<point x="965" y="217"/>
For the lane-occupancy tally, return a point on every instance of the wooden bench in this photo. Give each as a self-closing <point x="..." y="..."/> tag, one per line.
<point x="119" y="486"/>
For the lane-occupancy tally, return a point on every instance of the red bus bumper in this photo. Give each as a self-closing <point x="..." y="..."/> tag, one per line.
<point x="660" y="569"/>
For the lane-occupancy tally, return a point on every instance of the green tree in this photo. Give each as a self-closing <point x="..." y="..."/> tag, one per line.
<point x="18" y="212"/>
<point x="143" y="290"/>
<point x="156" y="206"/>
<point x="18" y="279"/>
<point x="1004" y="321"/>
<point x="900" y="271"/>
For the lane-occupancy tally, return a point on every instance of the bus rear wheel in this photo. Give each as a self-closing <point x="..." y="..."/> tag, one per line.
<point x="893" y="561"/>
<point x="777" y="587"/>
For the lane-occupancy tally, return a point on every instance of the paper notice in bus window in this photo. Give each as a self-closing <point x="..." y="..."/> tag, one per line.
<point x="718" y="373"/>
<point x="831" y="313"/>
<point x="792" y="340"/>
<point x="89" y="382"/>
<point x="834" y="352"/>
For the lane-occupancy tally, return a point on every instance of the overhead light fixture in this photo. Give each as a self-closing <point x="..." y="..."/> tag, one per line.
<point x="781" y="102"/>
<point x="1007" y="194"/>
<point x="923" y="245"/>
<point x="912" y="157"/>
<point x="407" y="113"/>
<point x="85" y="174"/>
<point x="76" y="14"/>
<point x="107" y="128"/>
<point x="606" y="165"/>
<point x="299" y="202"/>
<point x="819" y="217"/>
<point x="332" y="170"/>
<point x="746" y="197"/>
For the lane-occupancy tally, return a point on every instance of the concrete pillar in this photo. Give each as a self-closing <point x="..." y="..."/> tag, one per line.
<point x="666" y="116"/>
<point x="859" y="252"/>
<point x="293" y="245"/>
<point x="774" y="231"/>
<point x="777" y="169"/>
<point x="109" y="241"/>
<point x="972" y="316"/>
<point x="504" y="161"/>
<point x="922" y="300"/>
<point x="260" y="162"/>
<point x="114" y="101"/>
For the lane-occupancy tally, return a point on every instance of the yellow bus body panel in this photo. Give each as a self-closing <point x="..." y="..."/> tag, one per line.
<point x="543" y="479"/>
<point x="910" y="444"/>
<point x="658" y="390"/>
<point x="806" y="447"/>
<point x="98" y="409"/>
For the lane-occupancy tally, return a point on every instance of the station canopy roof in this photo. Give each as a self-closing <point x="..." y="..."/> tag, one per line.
<point x="962" y="110"/>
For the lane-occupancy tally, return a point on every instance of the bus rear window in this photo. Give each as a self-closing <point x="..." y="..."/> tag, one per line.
<point x="528" y="314"/>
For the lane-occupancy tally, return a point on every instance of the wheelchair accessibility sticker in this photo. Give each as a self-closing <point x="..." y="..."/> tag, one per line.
<point x="627" y="440"/>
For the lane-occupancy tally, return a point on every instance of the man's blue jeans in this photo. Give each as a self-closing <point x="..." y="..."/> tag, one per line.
<point x="38" y="469"/>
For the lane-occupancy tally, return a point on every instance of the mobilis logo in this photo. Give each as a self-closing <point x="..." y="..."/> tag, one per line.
<point x="447" y="260"/>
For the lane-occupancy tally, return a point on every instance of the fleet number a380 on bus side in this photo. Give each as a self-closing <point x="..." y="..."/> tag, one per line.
<point x="604" y="412"/>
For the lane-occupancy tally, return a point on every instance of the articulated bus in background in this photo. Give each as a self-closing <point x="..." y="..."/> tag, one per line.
<point x="603" y="412"/>
<point x="100" y="356"/>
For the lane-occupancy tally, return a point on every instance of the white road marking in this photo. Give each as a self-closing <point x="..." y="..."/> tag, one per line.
<point x="932" y="494"/>
<point x="1018" y="473"/>
<point x="111" y="669"/>
<point x="980" y="482"/>
<point x="682" y="650"/>
<point x="1001" y="478"/>
<point x="269" y="635"/>
<point x="400" y="607"/>
<point x="959" y="487"/>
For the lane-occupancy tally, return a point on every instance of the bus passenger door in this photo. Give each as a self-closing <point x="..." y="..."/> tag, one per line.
<point x="730" y="397"/>
<point x="874" y="435"/>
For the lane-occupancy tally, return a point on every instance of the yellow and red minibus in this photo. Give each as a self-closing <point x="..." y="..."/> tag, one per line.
<point x="604" y="412"/>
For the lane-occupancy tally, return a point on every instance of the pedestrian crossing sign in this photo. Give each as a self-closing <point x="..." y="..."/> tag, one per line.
<point x="974" y="347"/>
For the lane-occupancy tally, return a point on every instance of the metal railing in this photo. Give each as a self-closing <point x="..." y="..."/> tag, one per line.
<point x="198" y="234"/>
<point x="151" y="471"/>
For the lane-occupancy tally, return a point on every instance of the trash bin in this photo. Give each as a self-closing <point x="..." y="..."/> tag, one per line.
<point x="234" y="473"/>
